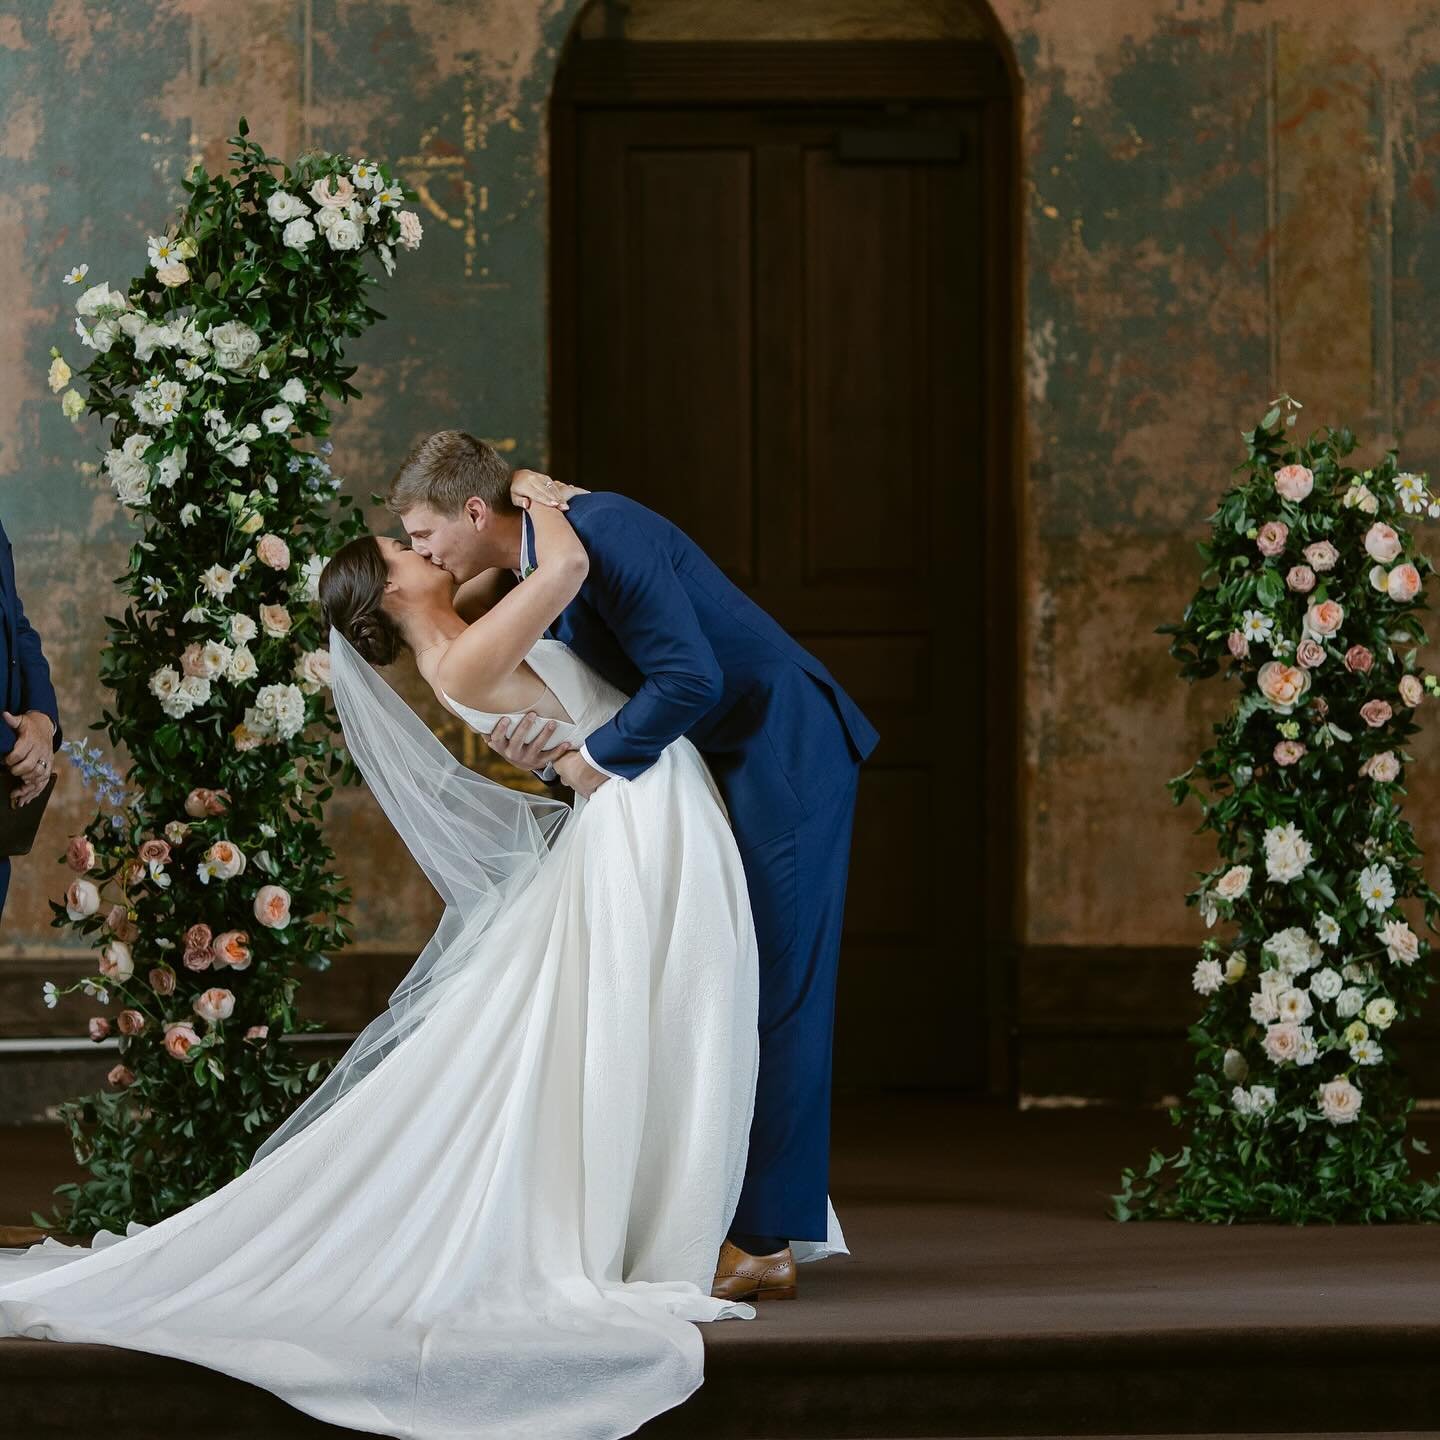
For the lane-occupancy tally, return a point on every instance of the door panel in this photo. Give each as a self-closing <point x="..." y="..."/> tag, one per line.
<point x="779" y="348"/>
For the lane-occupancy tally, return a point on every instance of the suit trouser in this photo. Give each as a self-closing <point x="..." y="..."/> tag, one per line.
<point x="796" y="882"/>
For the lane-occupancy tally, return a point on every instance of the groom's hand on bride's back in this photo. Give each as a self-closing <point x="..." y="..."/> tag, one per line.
<point x="505" y="740"/>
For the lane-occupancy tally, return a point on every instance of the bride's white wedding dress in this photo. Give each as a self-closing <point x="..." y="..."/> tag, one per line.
<point x="506" y="1227"/>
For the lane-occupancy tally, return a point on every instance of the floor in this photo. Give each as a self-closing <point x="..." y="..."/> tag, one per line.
<point x="989" y="1293"/>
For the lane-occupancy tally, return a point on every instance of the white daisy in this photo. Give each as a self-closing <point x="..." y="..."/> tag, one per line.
<point x="1327" y="928"/>
<point x="1256" y="625"/>
<point x="75" y="276"/>
<point x="163" y="250"/>
<point x="1376" y="888"/>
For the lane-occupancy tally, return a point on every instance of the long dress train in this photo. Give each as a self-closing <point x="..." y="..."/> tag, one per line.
<point x="507" y="1227"/>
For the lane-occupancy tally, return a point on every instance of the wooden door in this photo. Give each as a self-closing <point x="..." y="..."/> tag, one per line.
<point x="776" y="334"/>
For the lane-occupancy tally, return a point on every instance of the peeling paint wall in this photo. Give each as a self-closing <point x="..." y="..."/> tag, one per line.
<point x="103" y="107"/>
<point x="1221" y="199"/>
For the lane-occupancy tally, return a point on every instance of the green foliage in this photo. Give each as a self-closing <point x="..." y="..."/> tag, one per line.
<point x="212" y="371"/>
<point x="1298" y="1110"/>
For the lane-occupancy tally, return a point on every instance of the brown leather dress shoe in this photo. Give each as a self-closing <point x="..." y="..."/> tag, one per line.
<point x="740" y="1276"/>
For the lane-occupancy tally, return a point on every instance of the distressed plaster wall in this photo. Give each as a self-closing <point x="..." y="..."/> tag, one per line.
<point x="1220" y="199"/>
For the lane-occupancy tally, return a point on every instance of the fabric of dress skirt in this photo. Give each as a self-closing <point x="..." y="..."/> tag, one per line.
<point x="508" y="1226"/>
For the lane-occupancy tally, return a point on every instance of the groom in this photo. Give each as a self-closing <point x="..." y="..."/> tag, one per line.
<point x="659" y="620"/>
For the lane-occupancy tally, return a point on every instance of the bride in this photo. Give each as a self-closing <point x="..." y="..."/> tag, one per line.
<point x="500" y="1214"/>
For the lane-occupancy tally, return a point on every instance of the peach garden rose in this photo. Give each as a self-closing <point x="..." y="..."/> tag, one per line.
<point x="1412" y="692"/>
<point x="1281" y="684"/>
<point x="1294" y="482"/>
<point x="272" y="906"/>
<point x="1325" y="617"/>
<point x="180" y="1038"/>
<point x="1402" y="584"/>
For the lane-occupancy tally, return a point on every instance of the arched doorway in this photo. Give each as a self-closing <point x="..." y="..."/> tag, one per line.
<point x="781" y="314"/>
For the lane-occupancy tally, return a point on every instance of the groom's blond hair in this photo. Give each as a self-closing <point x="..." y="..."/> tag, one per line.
<point x="444" y="470"/>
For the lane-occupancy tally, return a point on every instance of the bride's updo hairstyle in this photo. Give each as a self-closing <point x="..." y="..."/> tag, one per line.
<point x="352" y="586"/>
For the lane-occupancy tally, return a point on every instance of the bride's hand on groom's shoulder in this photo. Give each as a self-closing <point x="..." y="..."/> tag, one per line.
<point x="530" y="486"/>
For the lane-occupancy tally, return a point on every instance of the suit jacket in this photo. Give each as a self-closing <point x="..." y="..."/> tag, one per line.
<point x="660" y="620"/>
<point x="26" y="674"/>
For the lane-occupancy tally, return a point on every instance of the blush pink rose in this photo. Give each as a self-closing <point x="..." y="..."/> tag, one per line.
<point x="272" y="550"/>
<point x="129" y="1022"/>
<point x="1282" y="1042"/>
<point x="1359" y="660"/>
<point x="99" y="1027"/>
<point x="1322" y="555"/>
<point x="198" y="936"/>
<point x="198" y="960"/>
<point x="1294" y="482"/>
<point x="162" y="981"/>
<point x="154" y="852"/>
<point x="1237" y="645"/>
<point x="332" y="192"/>
<point x="1325" y="618"/>
<point x="257" y="1032"/>
<point x="1272" y="537"/>
<point x="1301" y="579"/>
<point x="214" y="1005"/>
<point x="410" y="229"/>
<point x="1383" y="767"/>
<point x="232" y="949"/>
<point x="1402" y="584"/>
<point x="1281" y="684"/>
<point x="1382" y="543"/>
<point x="201" y="802"/>
<point x="121" y="1075"/>
<point x="180" y="1038"/>
<point x="1310" y="654"/>
<point x="116" y="962"/>
<point x="272" y="906"/>
<point x="1412" y="692"/>
<point x="80" y="854"/>
<point x="1375" y="713"/>
<point x="1287" y="752"/>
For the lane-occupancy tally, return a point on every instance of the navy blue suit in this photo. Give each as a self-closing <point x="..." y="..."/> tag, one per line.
<point x="659" y="619"/>
<point x="26" y="682"/>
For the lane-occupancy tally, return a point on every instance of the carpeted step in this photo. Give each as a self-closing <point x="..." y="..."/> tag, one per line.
<point x="1232" y="1383"/>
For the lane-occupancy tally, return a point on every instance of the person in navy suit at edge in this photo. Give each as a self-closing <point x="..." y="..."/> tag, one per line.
<point x="30" y="732"/>
<point x="660" y="620"/>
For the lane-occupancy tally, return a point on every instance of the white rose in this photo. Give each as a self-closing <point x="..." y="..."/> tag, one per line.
<point x="308" y="583"/>
<point x="282" y="205"/>
<point x="101" y="297"/>
<point x="235" y="345"/>
<point x="1263" y="1008"/>
<point x="1207" y="978"/>
<point x="242" y="665"/>
<point x="218" y="581"/>
<point x="242" y="629"/>
<point x="1400" y="942"/>
<point x="196" y="689"/>
<point x="1380" y="1012"/>
<point x="1349" y="1002"/>
<point x="1233" y="883"/>
<point x="1325" y="984"/>
<point x="293" y="391"/>
<point x="165" y="683"/>
<point x="344" y="234"/>
<point x="1294" y="1006"/>
<point x="298" y="234"/>
<point x="1339" y="1101"/>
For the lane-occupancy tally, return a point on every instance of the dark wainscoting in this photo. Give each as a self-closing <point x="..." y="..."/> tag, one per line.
<point x="1110" y="1023"/>
<point x="1102" y="1023"/>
